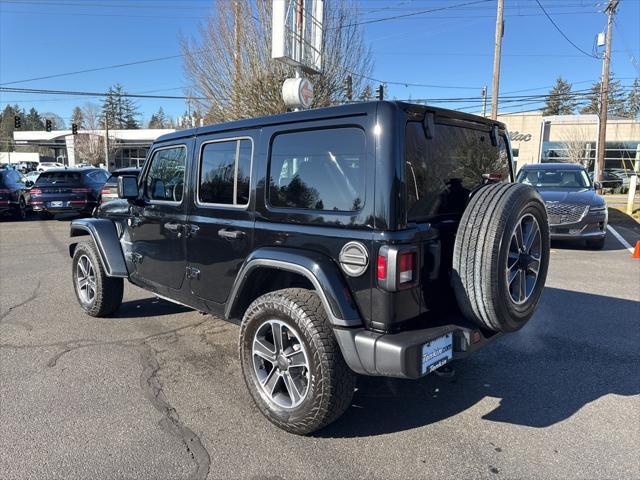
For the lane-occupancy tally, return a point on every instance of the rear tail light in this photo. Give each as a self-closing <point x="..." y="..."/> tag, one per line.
<point x="36" y="191"/>
<point x="382" y="267"/>
<point x="397" y="267"/>
<point x="106" y="191"/>
<point x="406" y="262"/>
<point x="80" y="190"/>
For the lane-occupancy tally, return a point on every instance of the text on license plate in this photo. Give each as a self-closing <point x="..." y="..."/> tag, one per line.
<point x="436" y="353"/>
<point x="57" y="203"/>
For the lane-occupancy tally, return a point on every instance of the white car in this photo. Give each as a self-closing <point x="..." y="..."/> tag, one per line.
<point x="32" y="176"/>
<point x="44" y="166"/>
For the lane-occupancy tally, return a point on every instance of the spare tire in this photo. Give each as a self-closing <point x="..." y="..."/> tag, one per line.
<point x="501" y="256"/>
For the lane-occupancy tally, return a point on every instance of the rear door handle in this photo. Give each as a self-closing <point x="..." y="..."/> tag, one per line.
<point x="172" y="227"/>
<point x="230" y="234"/>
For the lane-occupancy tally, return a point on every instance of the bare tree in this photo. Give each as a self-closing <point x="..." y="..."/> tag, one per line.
<point x="574" y="143"/>
<point x="229" y="61"/>
<point x="89" y="145"/>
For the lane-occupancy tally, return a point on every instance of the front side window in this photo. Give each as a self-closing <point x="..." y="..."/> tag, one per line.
<point x="441" y="172"/>
<point x="318" y="170"/>
<point x="225" y="172"/>
<point x="165" y="177"/>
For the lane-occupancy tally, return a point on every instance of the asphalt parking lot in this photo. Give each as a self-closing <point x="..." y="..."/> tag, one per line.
<point x="156" y="391"/>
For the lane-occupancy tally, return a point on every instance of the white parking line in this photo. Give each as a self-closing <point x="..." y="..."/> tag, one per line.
<point x="624" y="243"/>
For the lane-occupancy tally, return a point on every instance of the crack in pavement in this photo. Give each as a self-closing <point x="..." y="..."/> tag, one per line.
<point x="170" y="421"/>
<point x="31" y="298"/>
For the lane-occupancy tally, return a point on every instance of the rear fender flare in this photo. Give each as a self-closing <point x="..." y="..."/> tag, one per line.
<point x="105" y="236"/>
<point x="317" y="268"/>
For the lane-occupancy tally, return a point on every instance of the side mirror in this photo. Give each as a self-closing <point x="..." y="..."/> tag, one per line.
<point x="597" y="186"/>
<point x="128" y="187"/>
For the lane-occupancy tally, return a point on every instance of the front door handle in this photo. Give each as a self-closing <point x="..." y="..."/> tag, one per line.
<point x="230" y="234"/>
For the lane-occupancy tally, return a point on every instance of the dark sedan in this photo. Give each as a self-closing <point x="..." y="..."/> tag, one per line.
<point x="14" y="193"/>
<point x="67" y="190"/>
<point x="110" y="189"/>
<point x="576" y="211"/>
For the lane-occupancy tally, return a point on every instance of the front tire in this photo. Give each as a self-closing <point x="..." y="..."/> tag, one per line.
<point x="291" y="362"/>
<point x="97" y="294"/>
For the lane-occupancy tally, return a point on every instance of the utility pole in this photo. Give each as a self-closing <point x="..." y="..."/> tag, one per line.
<point x="497" y="52"/>
<point x="604" y="94"/>
<point x="484" y="100"/>
<point x="236" y="58"/>
<point x="106" y="140"/>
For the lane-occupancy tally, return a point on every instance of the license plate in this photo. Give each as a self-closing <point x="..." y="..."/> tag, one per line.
<point x="58" y="203"/>
<point x="436" y="353"/>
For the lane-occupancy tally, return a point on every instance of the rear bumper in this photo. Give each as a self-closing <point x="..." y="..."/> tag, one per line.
<point x="400" y="354"/>
<point x="84" y="208"/>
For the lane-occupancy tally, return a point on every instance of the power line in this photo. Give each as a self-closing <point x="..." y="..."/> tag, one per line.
<point x="97" y="69"/>
<point x="632" y="57"/>
<point x="563" y="34"/>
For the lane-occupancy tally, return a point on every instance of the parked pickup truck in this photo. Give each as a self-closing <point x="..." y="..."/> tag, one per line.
<point x="378" y="238"/>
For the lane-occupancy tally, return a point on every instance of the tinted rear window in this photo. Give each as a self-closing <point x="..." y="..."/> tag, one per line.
<point x="61" y="177"/>
<point x="441" y="172"/>
<point x="318" y="169"/>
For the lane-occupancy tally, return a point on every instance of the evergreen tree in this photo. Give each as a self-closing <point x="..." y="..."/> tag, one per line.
<point x="33" y="120"/>
<point x="77" y="117"/>
<point x="366" y="93"/>
<point x="632" y="107"/>
<point x="616" y="99"/>
<point x="158" y="120"/>
<point x="560" y="100"/>
<point x="119" y="111"/>
<point x="7" y="126"/>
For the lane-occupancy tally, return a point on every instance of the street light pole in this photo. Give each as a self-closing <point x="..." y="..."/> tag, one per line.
<point x="496" y="60"/>
<point x="604" y="94"/>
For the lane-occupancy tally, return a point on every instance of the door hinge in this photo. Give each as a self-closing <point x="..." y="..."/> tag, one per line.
<point x="193" y="272"/>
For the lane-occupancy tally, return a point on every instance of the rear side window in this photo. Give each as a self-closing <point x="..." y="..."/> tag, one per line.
<point x="165" y="177"/>
<point x="441" y="172"/>
<point x="59" y="177"/>
<point x="318" y="170"/>
<point x="225" y="171"/>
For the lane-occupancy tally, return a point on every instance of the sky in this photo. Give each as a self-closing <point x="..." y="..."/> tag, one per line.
<point x="451" y="50"/>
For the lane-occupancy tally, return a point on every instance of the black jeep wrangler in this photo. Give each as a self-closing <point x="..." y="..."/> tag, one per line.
<point x="378" y="238"/>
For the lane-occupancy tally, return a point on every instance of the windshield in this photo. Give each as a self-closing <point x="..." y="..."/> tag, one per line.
<point x="554" y="178"/>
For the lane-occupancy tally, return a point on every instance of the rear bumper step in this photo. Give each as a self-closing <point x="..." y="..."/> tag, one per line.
<point x="400" y="354"/>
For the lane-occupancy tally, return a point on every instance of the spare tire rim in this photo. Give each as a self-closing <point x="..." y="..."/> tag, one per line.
<point x="86" y="279"/>
<point x="280" y="363"/>
<point x="523" y="259"/>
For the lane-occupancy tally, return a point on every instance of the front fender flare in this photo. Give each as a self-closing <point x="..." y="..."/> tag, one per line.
<point x="105" y="236"/>
<point x="317" y="268"/>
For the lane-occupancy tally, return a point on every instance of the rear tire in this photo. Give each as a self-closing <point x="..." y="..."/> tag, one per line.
<point x="501" y="256"/>
<point x="323" y="388"/>
<point x="21" y="210"/>
<point x="97" y="294"/>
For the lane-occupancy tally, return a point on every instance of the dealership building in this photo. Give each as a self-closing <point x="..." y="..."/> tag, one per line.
<point x="128" y="147"/>
<point x="537" y="138"/>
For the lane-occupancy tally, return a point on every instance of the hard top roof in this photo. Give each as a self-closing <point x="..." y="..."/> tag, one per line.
<point x="350" y="109"/>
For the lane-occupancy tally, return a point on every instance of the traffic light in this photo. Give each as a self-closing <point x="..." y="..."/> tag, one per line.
<point x="74" y="128"/>
<point x="348" y="88"/>
<point x="380" y="92"/>
<point x="48" y="125"/>
<point x="17" y="122"/>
